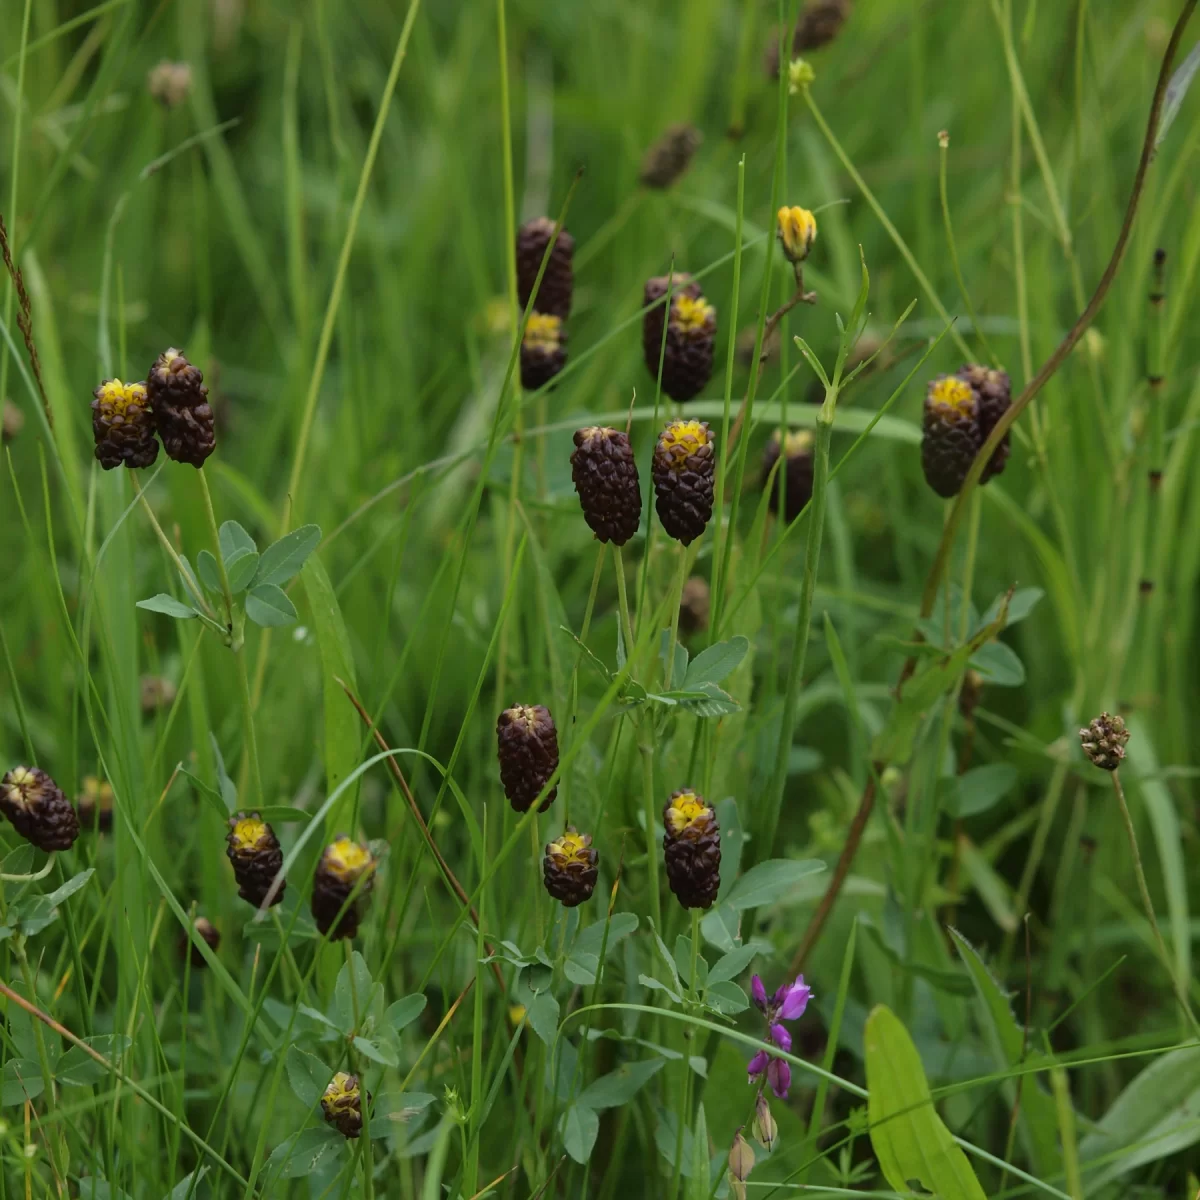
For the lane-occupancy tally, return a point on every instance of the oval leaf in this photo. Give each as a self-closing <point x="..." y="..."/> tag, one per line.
<point x="620" y="1086"/>
<point x="979" y="789"/>
<point x="579" y="1129"/>
<point x="231" y="537"/>
<point x="162" y="603"/>
<point x="240" y="569"/>
<point x="406" y="1011"/>
<point x="715" y="663"/>
<point x="268" y="605"/>
<point x="308" y="1075"/>
<point x="283" y="560"/>
<point x="770" y="881"/>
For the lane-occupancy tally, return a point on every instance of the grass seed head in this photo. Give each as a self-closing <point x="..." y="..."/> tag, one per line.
<point x="606" y="477"/>
<point x="683" y="474"/>
<point x="558" y="283"/>
<point x="527" y="747"/>
<point x="38" y="810"/>
<point x="692" y="849"/>
<point x="181" y="408"/>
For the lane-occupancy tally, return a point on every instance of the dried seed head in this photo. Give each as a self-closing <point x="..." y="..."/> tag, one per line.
<point x="38" y="810"/>
<point x="570" y="868"/>
<point x="558" y="281"/>
<point x="797" y="469"/>
<point x="257" y="857"/>
<point x="181" y="409"/>
<point x="169" y="83"/>
<point x="764" y="1128"/>
<point x="687" y="357"/>
<point x="94" y="804"/>
<point x="1104" y="741"/>
<point x="670" y="156"/>
<point x="543" y="350"/>
<point x="208" y="933"/>
<point x="341" y="1104"/>
<point x="692" y="849"/>
<point x="606" y="478"/>
<point x="123" y="425"/>
<point x="12" y="423"/>
<point x="527" y="746"/>
<point x="694" y="605"/>
<point x="796" y="230"/>
<point x="683" y="471"/>
<point x="741" y="1158"/>
<point x="993" y="395"/>
<point x="950" y="434"/>
<point x="343" y="865"/>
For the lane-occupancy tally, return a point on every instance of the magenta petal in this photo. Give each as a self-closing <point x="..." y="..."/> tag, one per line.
<point x="796" y="1000"/>
<point x="779" y="1075"/>
<point x="757" y="1065"/>
<point x="781" y="1037"/>
<point x="759" y="993"/>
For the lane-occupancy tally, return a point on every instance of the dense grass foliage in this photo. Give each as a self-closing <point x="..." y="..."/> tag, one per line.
<point x="871" y="713"/>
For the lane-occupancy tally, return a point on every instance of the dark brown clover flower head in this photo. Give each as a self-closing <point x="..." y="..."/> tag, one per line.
<point x="692" y="849"/>
<point x="687" y="358"/>
<point x="683" y="469"/>
<point x="208" y="933"/>
<point x="180" y="403"/>
<point x="670" y="156"/>
<point x="123" y="425"/>
<point x="694" y="605"/>
<point x="94" y="804"/>
<point x="818" y="24"/>
<point x="993" y="394"/>
<point x="798" y="472"/>
<point x="344" y="863"/>
<point x="342" y="1104"/>
<point x="38" y="810"/>
<point x="558" y="282"/>
<point x="543" y="350"/>
<point x="950" y="438"/>
<point x="606" y="477"/>
<point x="256" y="855"/>
<point x="527" y="746"/>
<point x="1104" y="741"/>
<point x="570" y="868"/>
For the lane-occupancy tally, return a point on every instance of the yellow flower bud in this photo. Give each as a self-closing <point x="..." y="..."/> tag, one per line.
<point x="797" y="230"/>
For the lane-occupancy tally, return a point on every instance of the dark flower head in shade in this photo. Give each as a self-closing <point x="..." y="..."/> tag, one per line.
<point x="993" y="395"/>
<point x="94" y="804"/>
<point x="558" y="281"/>
<point x="38" y="810"/>
<point x="691" y="329"/>
<point x="543" y="350"/>
<point x="527" y="747"/>
<point x="605" y="475"/>
<point x="670" y="156"/>
<point x="570" y="868"/>
<point x="343" y="865"/>
<point x="950" y="435"/>
<point x="257" y="857"/>
<point x="208" y="933"/>
<point x="798" y="472"/>
<point x="787" y="1004"/>
<point x="683" y="474"/>
<point x="341" y="1104"/>
<point x="123" y="425"/>
<point x="181" y="409"/>
<point x="692" y="849"/>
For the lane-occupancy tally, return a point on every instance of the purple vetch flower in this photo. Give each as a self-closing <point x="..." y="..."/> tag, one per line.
<point x="787" y="1004"/>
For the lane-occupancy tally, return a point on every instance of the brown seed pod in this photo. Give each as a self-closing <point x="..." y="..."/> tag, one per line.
<point x="38" y="810"/>
<point x="181" y="409"/>
<point x="527" y="747"/>
<point x="558" y="282"/>
<point x="570" y="868"/>
<point x="344" y="863"/>
<point x="257" y="857"/>
<point x="606" y="478"/>
<point x="797" y="469"/>
<point x="692" y="849"/>
<point x="543" y="350"/>
<point x="670" y="156"/>
<point x="123" y="425"/>
<point x="683" y="471"/>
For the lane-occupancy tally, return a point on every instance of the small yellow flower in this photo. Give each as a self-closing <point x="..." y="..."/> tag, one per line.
<point x="116" y="397"/>
<point x="800" y="75"/>
<point x="797" y="442"/>
<point x="953" y="396"/>
<point x="247" y="832"/>
<point x="797" y="231"/>
<point x="543" y="331"/>
<point x="686" y="809"/>
<point x="680" y="440"/>
<point x="346" y="858"/>
<point x="691" y="314"/>
<point x="571" y="847"/>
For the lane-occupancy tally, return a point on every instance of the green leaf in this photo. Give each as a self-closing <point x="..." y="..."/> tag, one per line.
<point x="579" y="1129"/>
<point x="720" y="928"/>
<point x="162" y="603"/>
<point x="584" y="959"/>
<point x="731" y="965"/>
<point x="20" y="1080"/>
<point x="542" y="1015"/>
<point x="770" y="881"/>
<point x="699" y="1181"/>
<point x="269" y="605"/>
<point x="1022" y="603"/>
<point x="283" y="559"/>
<point x="77" y="1068"/>
<point x="1157" y="1115"/>
<point x="308" y="1076"/>
<point x="392" y="1108"/>
<point x="715" y="663"/>
<point x="656" y="985"/>
<point x="895" y="741"/>
<point x="978" y="790"/>
<point x="910" y="1140"/>
<point x="402" y="1013"/>
<point x="999" y="665"/>
<point x="353" y="996"/>
<point x="1038" y="1119"/>
<point x="206" y="564"/>
<point x="726" y="997"/>
<point x="342" y="729"/>
<point x="620" y="1086"/>
<point x="186" y="1187"/>
<point x="993" y="889"/>
<point x="588" y="657"/>
<point x="951" y="982"/>
<point x="310" y="1149"/>
<point x="673" y="678"/>
<point x="281" y="814"/>
<point x="1177" y="88"/>
<point x="711" y="702"/>
<point x="376" y="1052"/>
<point x="240" y="569"/>
<point x="40" y="911"/>
<point x="231" y="537"/>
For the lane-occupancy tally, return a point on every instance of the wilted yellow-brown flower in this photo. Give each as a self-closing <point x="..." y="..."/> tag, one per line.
<point x="343" y="865"/>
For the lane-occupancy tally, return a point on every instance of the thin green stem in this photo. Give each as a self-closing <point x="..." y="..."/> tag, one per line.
<point x="165" y="542"/>
<point x="248" y="715"/>
<point x="649" y="799"/>
<point x="1148" y="905"/>
<point x="226" y="593"/>
<point x="573" y="694"/>
<point x="623" y="602"/>
<point x="677" y="599"/>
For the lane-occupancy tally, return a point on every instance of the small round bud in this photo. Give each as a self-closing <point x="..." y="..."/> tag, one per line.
<point x="1104" y="741"/>
<point x="796" y="230"/>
